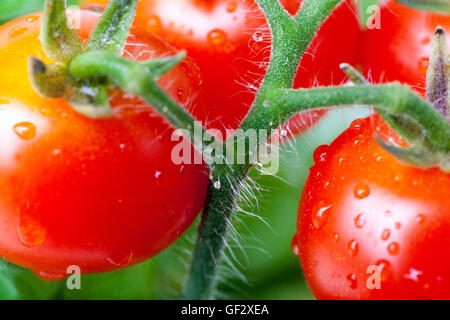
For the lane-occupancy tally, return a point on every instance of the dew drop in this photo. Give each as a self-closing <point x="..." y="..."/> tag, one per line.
<point x="294" y="246"/>
<point x="31" y="18"/>
<point x="420" y="218"/>
<point x="424" y="64"/>
<point x="388" y="213"/>
<point x="30" y="232"/>
<point x="385" y="269"/>
<point x="385" y="234"/>
<point x="50" y="276"/>
<point x="353" y="248"/>
<point x="320" y="154"/>
<point x="25" y="130"/>
<point x="232" y="6"/>
<point x="393" y="248"/>
<point x="217" y="37"/>
<point x="121" y="259"/>
<point x="352" y="280"/>
<point x="258" y="36"/>
<point x="336" y="237"/>
<point x="320" y="217"/>
<point x="361" y="191"/>
<point x="360" y="220"/>
<point x="16" y="32"/>
<point x="154" y="23"/>
<point x="217" y="184"/>
<point x="157" y="174"/>
<point x="182" y="95"/>
<point x="398" y="225"/>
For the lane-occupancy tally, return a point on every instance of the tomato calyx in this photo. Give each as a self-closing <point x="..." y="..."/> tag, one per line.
<point x="62" y="45"/>
<point x="423" y="151"/>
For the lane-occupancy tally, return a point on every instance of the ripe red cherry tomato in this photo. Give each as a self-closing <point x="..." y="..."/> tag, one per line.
<point x="101" y="194"/>
<point x="230" y="41"/>
<point x="400" y="48"/>
<point x="362" y="208"/>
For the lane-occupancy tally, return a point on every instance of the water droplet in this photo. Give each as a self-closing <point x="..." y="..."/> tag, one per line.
<point x="336" y="237"/>
<point x="50" y="276"/>
<point x="31" y="233"/>
<point x="320" y="216"/>
<point x="283" y="133"/>
<point x="157" y="174"/>
<point x="353" y="248"/>
<point x="398" y="225"/>
<point x="385" y="234"/>
<point x="32" y="19"/>
<point x="294" y="246"/>
<point x="217" y="184"/>
<point x="258" y="36"/>
<point x="420" y="218"/>
<point x="121" y="259"/>
<point x="154" y="23"/>
<point x="217" y="37"/>
<point x="232" y="6"/>
<point x="424" y="64"/>
<point x="182" y="95"/>
<point x="352" y="280"/>
<point x="361" y="191"/>
<point x="385" y="269"/>
<point x="388" y="213"/>
<point x="360" y="220"/>
<point x="393" y="248"/>
<point x="16" y="32"/>
<point x="320" y="154"/>
<point x="413" y="274"/>
<point x="25" y="130"/>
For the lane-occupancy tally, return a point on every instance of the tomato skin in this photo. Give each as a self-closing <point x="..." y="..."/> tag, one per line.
<point x="230" y="41"/>
<point x="362" y="207"/>
<point x="101" y="194"/>
<point x="400" y="49"/>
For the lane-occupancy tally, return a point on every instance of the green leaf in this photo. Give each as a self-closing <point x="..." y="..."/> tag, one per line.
<point x="11" y="9"/>
<point x="428" y="5"/>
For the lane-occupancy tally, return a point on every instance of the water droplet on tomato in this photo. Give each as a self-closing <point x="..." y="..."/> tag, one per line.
<point x="217" y="37"/>
<point x="32" y="19"/>
<point x="398" y="225"/>
<point x="232" y="6"/>
<point x="352" y="280"/>
<point x="360" y="220"/>
<point x="424" y="63"/>
<point x="25" y="130"/>
<point x="120" y="259"/>
<point x="258" y="36"/>
<point x="420" y="218"/>
<point x="361" y="190"/>
<point x="50" y="276"/>
<point x="388" y="213"/>
<point x="16" y="32"/>
<point x="30" y="232"/>
<point x="393" y="248"/>
<point x="385" y="234"/>
<point x="385" y="269"/>
<point x="157" y="174"/>
<point x="320" y="154"/>
<point x="353" y="248"/>
<point x="154" y="23"/>
<point x="182" y="95"/>
<point x="336" y="237"/>
<point x="294" y="246"/>
<point x="320" y="216"/>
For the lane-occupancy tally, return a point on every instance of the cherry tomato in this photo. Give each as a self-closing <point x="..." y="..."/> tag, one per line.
<point x="371" y="227"/>
<point x="101" y="194"/>
<point x="399" y="50"/>
<point x="230" y="41"/>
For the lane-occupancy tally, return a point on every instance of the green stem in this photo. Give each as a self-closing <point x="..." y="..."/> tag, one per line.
<point x="111" y="32"/>
<point x="59" y="40"/>
<point x="138" y="78"/>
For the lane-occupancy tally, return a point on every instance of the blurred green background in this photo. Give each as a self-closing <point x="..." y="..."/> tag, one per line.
<point x="259" y="263"/>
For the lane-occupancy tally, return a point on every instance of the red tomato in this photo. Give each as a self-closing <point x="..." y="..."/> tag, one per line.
<point x="98" y="193"/>
<point x="361" y="208"/>
<point x="400" y="48"/>
<point x="230" y="41"/>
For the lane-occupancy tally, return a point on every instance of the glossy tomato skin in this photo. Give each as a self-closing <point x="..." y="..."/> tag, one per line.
<point x="101" y="194"/>
<point x="231" y="42"/>
<point x="399" y="50"/>
<point x="360" y="208"/>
